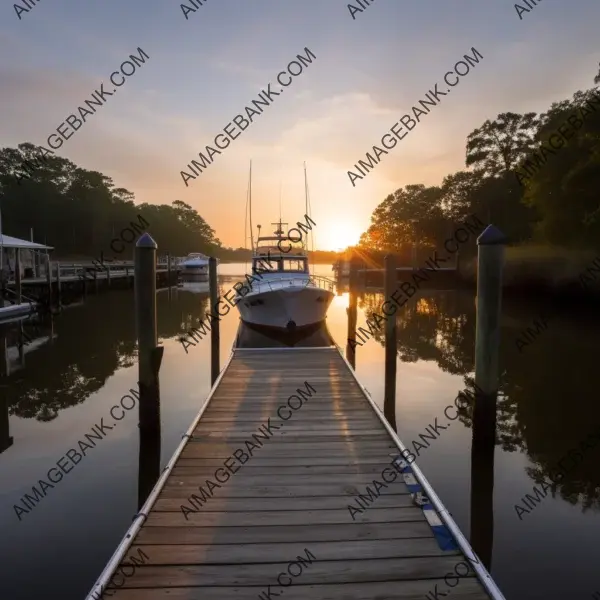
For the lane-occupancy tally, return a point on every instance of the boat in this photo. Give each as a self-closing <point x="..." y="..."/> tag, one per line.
<point x="282" y="293"/>
<point x="195" y="266"/>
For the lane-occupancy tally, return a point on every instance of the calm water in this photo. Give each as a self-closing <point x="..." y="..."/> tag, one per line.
<point x="62" y="387"/>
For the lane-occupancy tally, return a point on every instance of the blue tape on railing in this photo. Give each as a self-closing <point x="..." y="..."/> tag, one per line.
<point x="442" y="536"/>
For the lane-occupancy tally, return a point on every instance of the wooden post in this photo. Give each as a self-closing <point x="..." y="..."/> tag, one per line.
<point x="169" y="270"/>
<point x="6" y="440"/>
<point x="58" y="287"/>
<point x="215" y="334"/>
<point x="148" y="459"/>
<point x="390" y="283"/>
<point x="4" y="360"/>
<point x="352" y="310"/>
<point x="490" y="263"/>
<point x="18" y="286"/>
<point x="49" y="281"/>
<point x="482" y="477"/>
<point x="84" y="281"/>
<point x="95" y="280"/>
<point x="108" y="276"/>
<point x="149" y="353"/>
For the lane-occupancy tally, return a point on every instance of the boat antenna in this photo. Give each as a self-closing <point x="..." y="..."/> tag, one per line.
<point x="246" y="229"/>
<point x="307" y="212"/>
<point x="305" y="191"/>
<point x="250" y="203"/>
<point x="280" y="201"/>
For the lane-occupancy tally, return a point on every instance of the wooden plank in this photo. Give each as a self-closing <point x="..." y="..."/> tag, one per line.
<point x="290" y="461"/>
<point x="230" y="407"/>
<point x="316" y="427"/>
<point x="209" y="420"/>
<point x="182" y="468"/>
<point x="274" y="490"/>
<point x="296" y="503"/>
<point x="229" y="554"/>
<point x="468" y="589"/>
<point x="328" y="427"/>
<point x="286" y="441"/>
<point x="248" y="477"/>
<point x="283" y="517"/>
<point x="207" y="450"/>
<point x="270" y="534"/>
<point x="327" y="571"/>
<point x="325" y="436"/>
<point x="380" y="445"/>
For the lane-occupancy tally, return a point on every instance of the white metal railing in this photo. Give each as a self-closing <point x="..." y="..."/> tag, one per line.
<point x="323" y="282"/>
<point x="315" y="280"/>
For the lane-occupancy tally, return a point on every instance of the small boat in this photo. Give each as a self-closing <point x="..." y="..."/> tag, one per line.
<point x="283" y="295"/>
<point x="195" y="267"/>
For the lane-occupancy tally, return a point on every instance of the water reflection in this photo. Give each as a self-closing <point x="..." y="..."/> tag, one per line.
<point x="482" y="477"/>
<point x="536" y="412"/>
<point x="74" y="357"/>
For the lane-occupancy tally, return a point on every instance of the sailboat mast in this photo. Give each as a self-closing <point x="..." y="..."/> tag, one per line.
<point x="250" y="202"/>
<point x="306" y="199"/>
<point x="305" y="191"/>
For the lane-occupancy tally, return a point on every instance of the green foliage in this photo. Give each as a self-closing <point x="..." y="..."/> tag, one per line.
<point x="79" y="212"/>
<point x="556" y="202"/>
<point x="498" y="146"/>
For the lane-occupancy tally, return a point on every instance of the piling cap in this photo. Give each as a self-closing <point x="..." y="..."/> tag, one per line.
<point x="146" y="241"/>
<point x="491" y="236"/>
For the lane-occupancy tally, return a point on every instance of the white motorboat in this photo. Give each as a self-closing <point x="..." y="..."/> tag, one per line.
<point x="195" y="266"/>
<point x="283" y="294"/>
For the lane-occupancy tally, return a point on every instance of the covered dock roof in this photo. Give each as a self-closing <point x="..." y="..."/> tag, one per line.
<point x="7" y="241"/>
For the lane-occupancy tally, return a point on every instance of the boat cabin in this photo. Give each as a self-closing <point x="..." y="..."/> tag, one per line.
<point x="280" y="264"/>
<point x="279" y="254"/>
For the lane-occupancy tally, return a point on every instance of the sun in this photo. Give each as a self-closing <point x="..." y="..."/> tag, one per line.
<point x="340" y="235"/>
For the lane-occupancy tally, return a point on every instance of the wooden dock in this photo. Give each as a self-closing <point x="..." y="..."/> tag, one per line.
<point x="288" y="503"/>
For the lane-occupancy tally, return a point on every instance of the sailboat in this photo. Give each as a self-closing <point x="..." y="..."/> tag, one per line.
<point x="284" y="295"/>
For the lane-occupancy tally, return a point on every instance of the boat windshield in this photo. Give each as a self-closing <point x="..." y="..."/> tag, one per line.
<point x="280" y="265"/>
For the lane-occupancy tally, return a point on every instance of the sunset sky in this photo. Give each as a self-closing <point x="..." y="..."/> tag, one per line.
<point x="203" y="71"/>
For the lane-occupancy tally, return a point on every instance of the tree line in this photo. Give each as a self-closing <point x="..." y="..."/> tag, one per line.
<point x="533" y="176"/>
<point x="79" y="212"/>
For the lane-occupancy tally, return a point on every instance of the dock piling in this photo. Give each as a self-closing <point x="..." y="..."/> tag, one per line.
<point x="58" y="287"/>
<point x="149" y="353"/>
<point x="390" y="284"/>
<point x="49" y="280"/>
<point x="352" y="310"/>
<point x="215" y="333"/>
<point x="18" y="285"/>
<point x="482" y="476"/>
<point x="84" y="281"/>
<point x="490" y="264"/>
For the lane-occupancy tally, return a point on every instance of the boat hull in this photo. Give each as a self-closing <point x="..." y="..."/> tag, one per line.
<point x="194" y="274"/>
<point x="288" y="308"/>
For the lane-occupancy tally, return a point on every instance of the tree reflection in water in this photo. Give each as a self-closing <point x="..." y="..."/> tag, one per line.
<point x="547" y="399"/>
